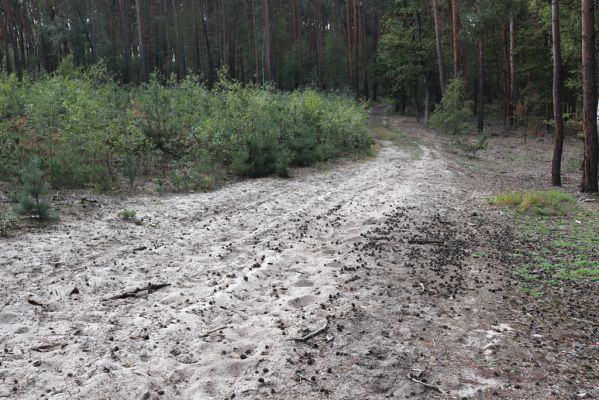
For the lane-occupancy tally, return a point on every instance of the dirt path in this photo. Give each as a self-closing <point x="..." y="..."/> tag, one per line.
<point x="391" y="251"/>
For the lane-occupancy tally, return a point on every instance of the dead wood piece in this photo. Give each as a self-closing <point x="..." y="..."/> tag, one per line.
<point x="303" y="378"/>
<point x="151" y="288"/>
<point x="213" y="331"/>
<point x="427" y="385"/>
<point x="34" y="302"/>
<point x="313" y="334"/>
<point x="425" y="241"/>
<point x="44" y="348"/>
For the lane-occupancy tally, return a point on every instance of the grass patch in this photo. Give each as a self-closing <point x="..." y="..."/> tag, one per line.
<point x="558" y="249"/>
<point x="548" y="202"/>
<point x="383" y="130"/>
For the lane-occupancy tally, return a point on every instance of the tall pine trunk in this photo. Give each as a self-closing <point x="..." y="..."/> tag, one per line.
<point x="179" y="48"/>
<point x="480" y="97"/>
<point x="125" y="39"/>
<point x="506" y="76"/>
<point x="267" y="56"/>
<point x="589" y="99"/>
<point x="437" y="24"/>
<point x="556" y="166"/>
<point x="455" y="37"/>
<point x="143" y="41"/>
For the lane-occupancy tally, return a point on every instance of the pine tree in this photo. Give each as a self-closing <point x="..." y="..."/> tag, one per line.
<point x="34" y="188"/>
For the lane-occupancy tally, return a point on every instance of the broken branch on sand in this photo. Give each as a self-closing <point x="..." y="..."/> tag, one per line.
<point x="427" y="385"/>
<point x="312" y="334"/>
<point x="425" y="241"/>
<point x="213" y="331"/>
<point x="151" y="288"/>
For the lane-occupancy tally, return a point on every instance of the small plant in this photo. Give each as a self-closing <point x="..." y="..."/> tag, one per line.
<point x="262" y="157"/>
<point x="6" y="222"/>
<point x="453" y="116"/>
<point x="550" y="202"/>
<point x="34" y="188"/>
<point x="472" y="148"/>
<point x="128" y="215"/>
<point x="131" y="169"/>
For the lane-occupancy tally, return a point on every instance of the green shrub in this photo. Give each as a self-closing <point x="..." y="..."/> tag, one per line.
<point x="128" y="215"/>
<point x="550" y="202"/>
<point x="6" y="222"/>
<point x="89" y="132"/>
<point x="34" y="188"/>
<point x="453" y="116"/>
<point x="262" y="156"/>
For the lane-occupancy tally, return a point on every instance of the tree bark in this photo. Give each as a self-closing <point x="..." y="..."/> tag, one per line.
<point x="455" y="37"/>
<point x="437" y="25"/>
<point x="267" y="56"/>
<point x="506" y="77"/>
<point x="512" y="62"/>
<point x="208" y="48"/>
<point x="125" y="39"/>
<point x="141" y="32"/>
<point x="255" y="34"/>
<point x="480" y="97"/>
<point x="179" y="48"/>
<point x="195" y="38"/>
<point x="558" y="143"/>
<point x="589" y="97"/>
<point x="93" y="20"/>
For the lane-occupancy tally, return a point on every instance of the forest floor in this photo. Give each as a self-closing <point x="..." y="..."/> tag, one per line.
<point x="399" y="257"/>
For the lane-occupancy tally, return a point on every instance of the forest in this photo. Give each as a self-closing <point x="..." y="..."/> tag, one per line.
<point x="298" y="199"/>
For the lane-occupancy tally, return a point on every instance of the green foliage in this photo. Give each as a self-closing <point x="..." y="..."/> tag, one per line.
<point x="261" y="156"/>
<point x="128" y="215"/>
<point x="550" y="202"/>
<point x="34" y="188"/>
<point x="559" y="249"/>
<point x="130" y="169"/>
<point x="90" y="132"/>
<point x="472" y="148"/>
<point x="454" y="115"/>
<point x="6" y="222"/>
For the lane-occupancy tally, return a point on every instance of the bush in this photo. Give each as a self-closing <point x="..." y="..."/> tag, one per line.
<point x="6" y="222"/>
<point x="550" y="202"/>
<point x="453" y="116"/>
<point x="262" y="156"/>
<point x="90" y="132"/>
<point x="34" y="188"/>
<point x="128" y="215"/>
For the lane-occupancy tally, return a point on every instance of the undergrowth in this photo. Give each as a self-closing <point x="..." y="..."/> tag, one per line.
<point x="90" y="132"/>
<point x="548" y="202"/>
<point x="559" y="240"/>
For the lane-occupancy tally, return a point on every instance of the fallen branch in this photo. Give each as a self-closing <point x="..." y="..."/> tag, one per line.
<point x="48" y="347"/>
<point x="425" y="241"/>
<point x="151" y="288"/>
<point x="303" y="378"/>
<point x="213" y="331"/>
<point x="427" y="385"/>
<point x="313" y="334"/>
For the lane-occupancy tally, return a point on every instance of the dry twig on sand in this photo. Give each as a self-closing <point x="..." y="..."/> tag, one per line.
<point x="213" y="331"/>
<point x="312" y="334"/>
<point x="152" y="287"/>
<point x="427" y="385"/>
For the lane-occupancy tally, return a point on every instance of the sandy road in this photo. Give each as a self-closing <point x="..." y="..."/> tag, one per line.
<point x="265" y="260"/>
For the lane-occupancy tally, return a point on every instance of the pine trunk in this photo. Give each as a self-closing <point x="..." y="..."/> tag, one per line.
<point x="589" y="95"/>
<point x="267" y="56"/>
<point x="556" y="166"/>
<point x="455" y="38"/>
<point x="141" y="32"/>
<point x="437" y="24"/>
<point x="480" y="97"/>
<point x="506" y="77"/>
